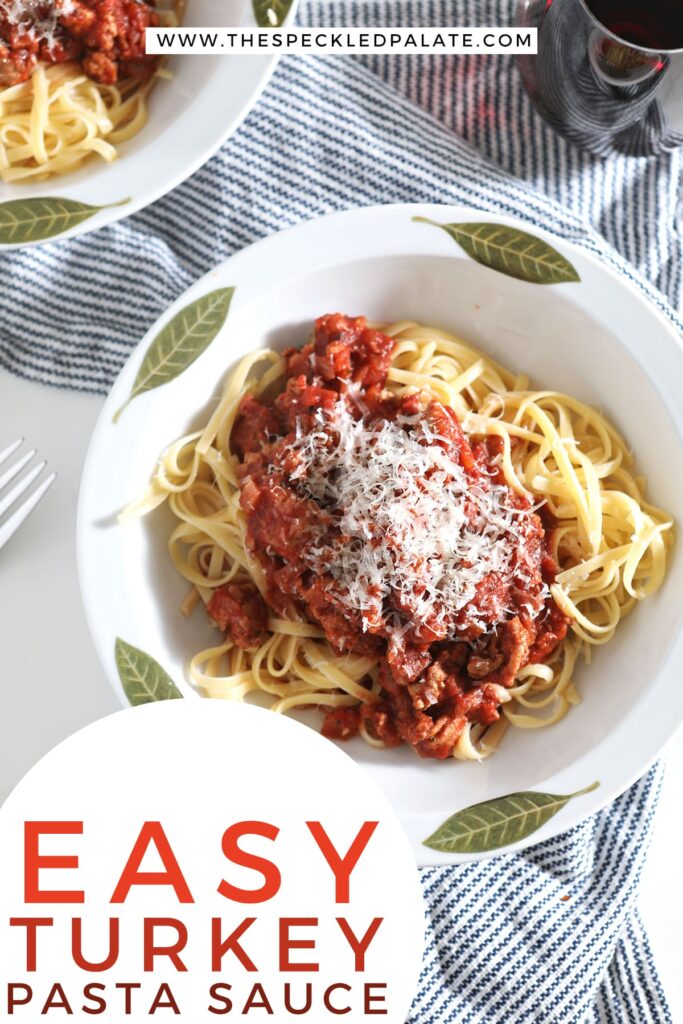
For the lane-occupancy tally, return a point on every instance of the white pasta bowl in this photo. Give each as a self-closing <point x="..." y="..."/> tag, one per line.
<point x="191" y="114"/>
<point x="598" y="339"/>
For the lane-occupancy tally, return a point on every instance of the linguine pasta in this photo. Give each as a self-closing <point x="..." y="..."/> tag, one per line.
<point x="60" y="117"/>
<point x="52" y="123"/>
<point x="609" y="542"/>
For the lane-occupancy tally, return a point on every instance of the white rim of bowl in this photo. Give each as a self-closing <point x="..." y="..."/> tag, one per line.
<point x="626" y="735"/>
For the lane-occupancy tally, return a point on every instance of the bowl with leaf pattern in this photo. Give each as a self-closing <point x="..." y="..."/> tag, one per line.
<point x="535" y="303"/>
<point x="191" y="114"/>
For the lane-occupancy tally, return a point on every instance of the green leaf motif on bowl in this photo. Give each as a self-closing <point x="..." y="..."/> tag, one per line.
<point x="181" y="342"/>
<point x="510" y="251"/>
<point x="271" y="13"/>
<point x="42" y="217"/>
<point x="500" y="822"/>
<point x="143" y="679"/>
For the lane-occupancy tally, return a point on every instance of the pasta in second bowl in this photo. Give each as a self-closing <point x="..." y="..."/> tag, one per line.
<point x="111" y="129"/>
<point x="590" y="383"/>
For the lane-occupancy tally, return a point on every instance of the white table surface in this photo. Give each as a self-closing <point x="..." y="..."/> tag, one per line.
<point x="52" y="684"/>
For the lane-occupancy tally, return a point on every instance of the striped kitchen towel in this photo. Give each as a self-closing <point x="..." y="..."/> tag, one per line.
<point x="504" y="945"/>
<point x="548" y="936"/>
<point x="327" y="134"/>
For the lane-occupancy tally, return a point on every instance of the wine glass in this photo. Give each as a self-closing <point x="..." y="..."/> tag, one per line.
<point x="608" y="74"/>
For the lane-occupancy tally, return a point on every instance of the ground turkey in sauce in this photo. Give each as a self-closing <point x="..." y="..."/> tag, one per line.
<point x="433" y="681"/>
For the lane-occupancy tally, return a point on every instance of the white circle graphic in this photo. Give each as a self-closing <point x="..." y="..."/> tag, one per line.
<point x="205" y="861"/>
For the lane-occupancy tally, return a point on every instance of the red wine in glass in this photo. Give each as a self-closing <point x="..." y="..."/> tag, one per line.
<point x="608" y="73"/>
<point x="653" y="25"/>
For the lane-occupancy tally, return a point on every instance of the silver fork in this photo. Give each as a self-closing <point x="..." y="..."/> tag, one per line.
<point x="9" y="499"/>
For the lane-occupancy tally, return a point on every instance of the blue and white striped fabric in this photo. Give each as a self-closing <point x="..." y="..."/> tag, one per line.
<point x="327" y="134"/>
<point x="504" y="945"/>
<point x="549" y="936"/>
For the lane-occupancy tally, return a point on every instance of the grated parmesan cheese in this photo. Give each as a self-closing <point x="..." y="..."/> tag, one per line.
<point x="37" y="18"/>
<point x="412" y="523"/>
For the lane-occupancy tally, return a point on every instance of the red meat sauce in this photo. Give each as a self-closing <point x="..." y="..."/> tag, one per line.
<point x="106" y="36"/>
<point x="432" y="684"/>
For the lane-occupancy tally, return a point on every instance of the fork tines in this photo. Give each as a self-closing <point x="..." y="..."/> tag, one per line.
<point x="10" y="471"/>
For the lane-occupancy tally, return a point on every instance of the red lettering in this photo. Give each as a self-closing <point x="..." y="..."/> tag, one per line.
<point x="230" y="945"/>
<point x="152" y="950"/>
<point x="342" y="866"/>
<point x="152" y="832"/>
<point x="89" y="993"/>
<point x="13" y="999"/>
<point x="128" y="987"/>
<point x="34" y="861"/>
<point x="77" y="946"/>
<point x="56" y="1000"/>
<point x="168" y="998"/>
<point x="359" y="946"/>
<point x="298" y="1010"/>
<point x="327" y="998"/>
<point x="224" y="1003"/>
<point x="287" y="943"/>
<point x="231" y="848"/>
<point x="31" y="924"/>
<point x="371" y="998"/>
<point x="262" y="1004"/>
